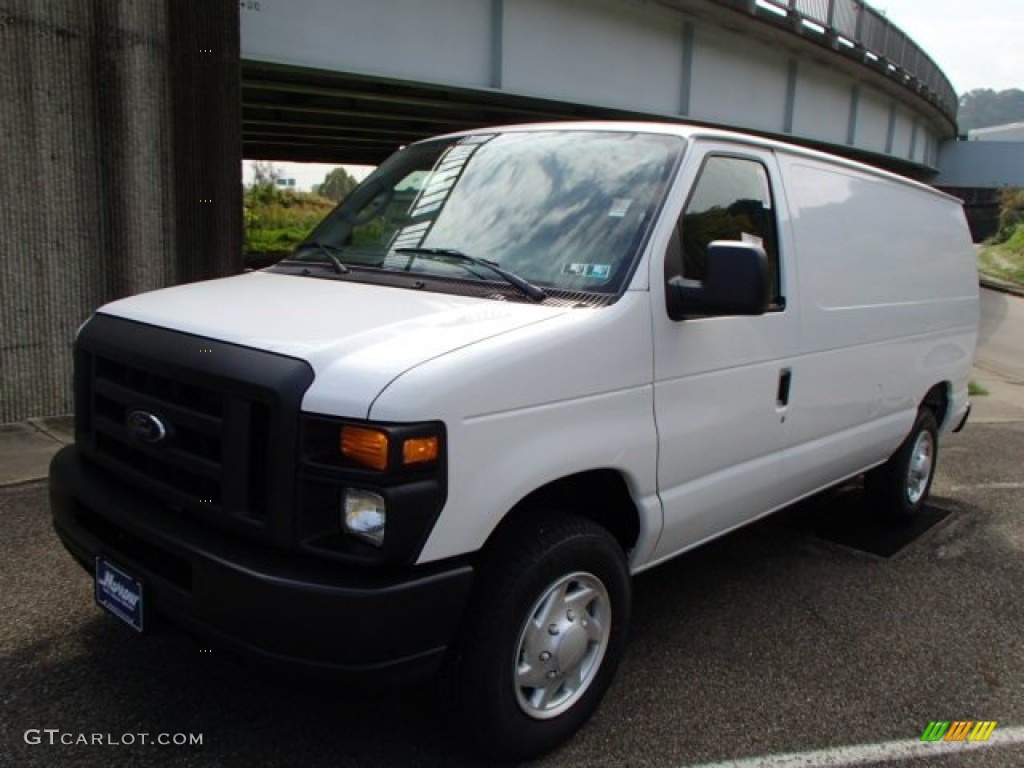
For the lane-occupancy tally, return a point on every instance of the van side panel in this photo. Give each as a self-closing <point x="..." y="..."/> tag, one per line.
<point x="873" y="251"/>
<point x="890" y="308"/>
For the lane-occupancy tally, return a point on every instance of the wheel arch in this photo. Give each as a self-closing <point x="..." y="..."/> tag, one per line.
<point x="938" y="400"/>
<point x="599" y="495"/>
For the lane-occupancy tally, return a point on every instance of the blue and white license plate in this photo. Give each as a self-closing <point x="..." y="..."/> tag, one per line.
<point x="119" y="592"/>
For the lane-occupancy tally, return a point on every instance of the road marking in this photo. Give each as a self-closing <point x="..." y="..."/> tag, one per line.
<point x="871" y="754"/>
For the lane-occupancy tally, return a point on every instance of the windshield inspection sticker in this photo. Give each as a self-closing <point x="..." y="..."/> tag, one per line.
<point x="619" y="207"/>
<point x="598" y="271"/>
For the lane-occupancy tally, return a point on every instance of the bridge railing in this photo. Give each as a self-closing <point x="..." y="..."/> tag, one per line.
<point x="855" y="29"/>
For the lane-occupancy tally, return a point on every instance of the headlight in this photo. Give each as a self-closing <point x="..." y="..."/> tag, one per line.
<point x="365" y="446"/>
<point x="369" y="491"/>
<point x="364" y="514"/>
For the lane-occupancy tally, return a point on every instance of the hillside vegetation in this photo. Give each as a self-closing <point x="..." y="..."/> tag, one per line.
<point x="984" y="108"/>
<point x="277" y="219"/>
<point x="1003" y="256"/>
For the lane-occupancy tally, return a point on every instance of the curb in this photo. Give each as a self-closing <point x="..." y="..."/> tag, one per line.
<point x="1003" y="287"/>
<point x="27" y="447"/>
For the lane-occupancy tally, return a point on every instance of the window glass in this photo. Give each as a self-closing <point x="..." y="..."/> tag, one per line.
<point x="731" y="200"/>
<point x="563" y="209"/>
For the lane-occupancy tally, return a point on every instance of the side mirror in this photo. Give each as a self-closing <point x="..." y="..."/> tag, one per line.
<point x="735" y="283"/>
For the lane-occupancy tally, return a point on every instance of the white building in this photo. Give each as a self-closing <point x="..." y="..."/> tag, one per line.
<point x="1008" y="132"/>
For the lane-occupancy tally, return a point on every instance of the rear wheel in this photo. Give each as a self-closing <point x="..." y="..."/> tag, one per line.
<point x="546" y="631"/>
<point x="898" y="489"/>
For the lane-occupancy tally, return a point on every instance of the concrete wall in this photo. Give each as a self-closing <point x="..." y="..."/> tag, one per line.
<point x="981" y="164"/>
<point x="119" y="120"/>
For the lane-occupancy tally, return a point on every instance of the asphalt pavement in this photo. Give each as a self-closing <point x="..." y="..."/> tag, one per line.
<point x="1001" y="334"/>
<point x="768" y="641"/>
<point x="772" y="641"/>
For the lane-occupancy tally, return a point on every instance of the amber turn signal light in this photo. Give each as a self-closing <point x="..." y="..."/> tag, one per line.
<point x="368" y="447"/>
<point x="417" y="450"/>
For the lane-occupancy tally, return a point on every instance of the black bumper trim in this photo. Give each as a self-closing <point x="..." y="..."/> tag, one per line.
<point x="279" y="606"/>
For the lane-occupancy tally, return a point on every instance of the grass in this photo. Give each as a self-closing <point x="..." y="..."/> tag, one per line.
<point x="276" y="221"/>
<point x="275" y="240"/>
<point x="974" y="389"/>
<point x="1004" y="261"/>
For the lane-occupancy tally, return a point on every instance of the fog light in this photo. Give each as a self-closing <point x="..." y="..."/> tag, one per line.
<point x="364" y="515"/>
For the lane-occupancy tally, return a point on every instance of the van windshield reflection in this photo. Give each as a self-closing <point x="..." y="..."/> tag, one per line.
<point x="561" y="209"/>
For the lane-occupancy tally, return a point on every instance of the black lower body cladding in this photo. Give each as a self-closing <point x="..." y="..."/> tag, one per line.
<point x="284" y="607"/>
<point x="185" y="476"/>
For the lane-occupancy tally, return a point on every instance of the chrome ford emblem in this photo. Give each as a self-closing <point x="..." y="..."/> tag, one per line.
<point x="146" y="427"/>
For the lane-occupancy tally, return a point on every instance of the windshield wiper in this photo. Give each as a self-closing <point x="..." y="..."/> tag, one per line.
<point x="327" y="250"/>
<point x="527" y="288"/>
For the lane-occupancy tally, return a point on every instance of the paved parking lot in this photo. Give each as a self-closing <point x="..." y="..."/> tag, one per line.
<point x="771" y="642"/>
<point x="768" y="641"/>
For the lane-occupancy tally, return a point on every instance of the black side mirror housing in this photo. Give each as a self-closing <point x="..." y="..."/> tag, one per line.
<point x="735" y="283"/>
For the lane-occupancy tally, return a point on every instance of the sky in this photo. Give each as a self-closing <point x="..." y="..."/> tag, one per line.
<point x="307" y="175"/>
<point x="977" y="43"/>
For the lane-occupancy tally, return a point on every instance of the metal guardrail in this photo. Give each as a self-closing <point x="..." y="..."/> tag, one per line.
<point x="859" y="31"/>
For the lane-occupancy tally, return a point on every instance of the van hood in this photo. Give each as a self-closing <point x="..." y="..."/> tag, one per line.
<point x="357" y="337"/>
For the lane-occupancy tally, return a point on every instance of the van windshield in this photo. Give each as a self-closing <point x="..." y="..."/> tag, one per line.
<point x="561" y="209"/>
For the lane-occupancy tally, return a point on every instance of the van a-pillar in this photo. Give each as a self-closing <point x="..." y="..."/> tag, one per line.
<point x="121" y="125"/>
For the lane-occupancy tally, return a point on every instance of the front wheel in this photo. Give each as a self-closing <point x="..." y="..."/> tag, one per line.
<point x="546" y="631"/>
<point x="899" y="488"/>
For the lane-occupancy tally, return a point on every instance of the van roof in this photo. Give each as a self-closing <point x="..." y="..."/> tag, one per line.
<point x="693" y="132"/>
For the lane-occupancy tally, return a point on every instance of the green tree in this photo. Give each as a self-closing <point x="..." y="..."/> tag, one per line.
<point x="984" y="108"/>
<point x="265" y="174"/>
<point x="264" y="189"/>
<point x="336" y="185"/>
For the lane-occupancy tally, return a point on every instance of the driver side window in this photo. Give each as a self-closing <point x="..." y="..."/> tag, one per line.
<point x="731" y="200"/>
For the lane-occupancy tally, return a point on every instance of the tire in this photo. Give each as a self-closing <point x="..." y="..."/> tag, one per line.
<point x="543" y="637"/>
<point x="898" y="489"/>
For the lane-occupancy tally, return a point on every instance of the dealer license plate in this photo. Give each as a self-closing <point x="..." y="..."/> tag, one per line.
<point x="119" y="592"/>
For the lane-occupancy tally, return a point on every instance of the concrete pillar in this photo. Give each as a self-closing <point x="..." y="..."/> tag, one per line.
<point x="119" y="120"/>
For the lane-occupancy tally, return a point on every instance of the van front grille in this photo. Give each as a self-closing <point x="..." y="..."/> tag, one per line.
<point x="206" y="430"/>
<point x="209" y="433"/>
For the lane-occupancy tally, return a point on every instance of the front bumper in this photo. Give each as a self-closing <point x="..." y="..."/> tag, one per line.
<point x="280" y="606"/>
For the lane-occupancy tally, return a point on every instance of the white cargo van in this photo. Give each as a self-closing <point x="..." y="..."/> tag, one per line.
<point x="513" y="368"/>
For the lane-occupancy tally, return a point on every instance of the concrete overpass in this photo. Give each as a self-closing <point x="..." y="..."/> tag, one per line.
<point x="124" y="121"/>
<point x="351" y="82"/>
